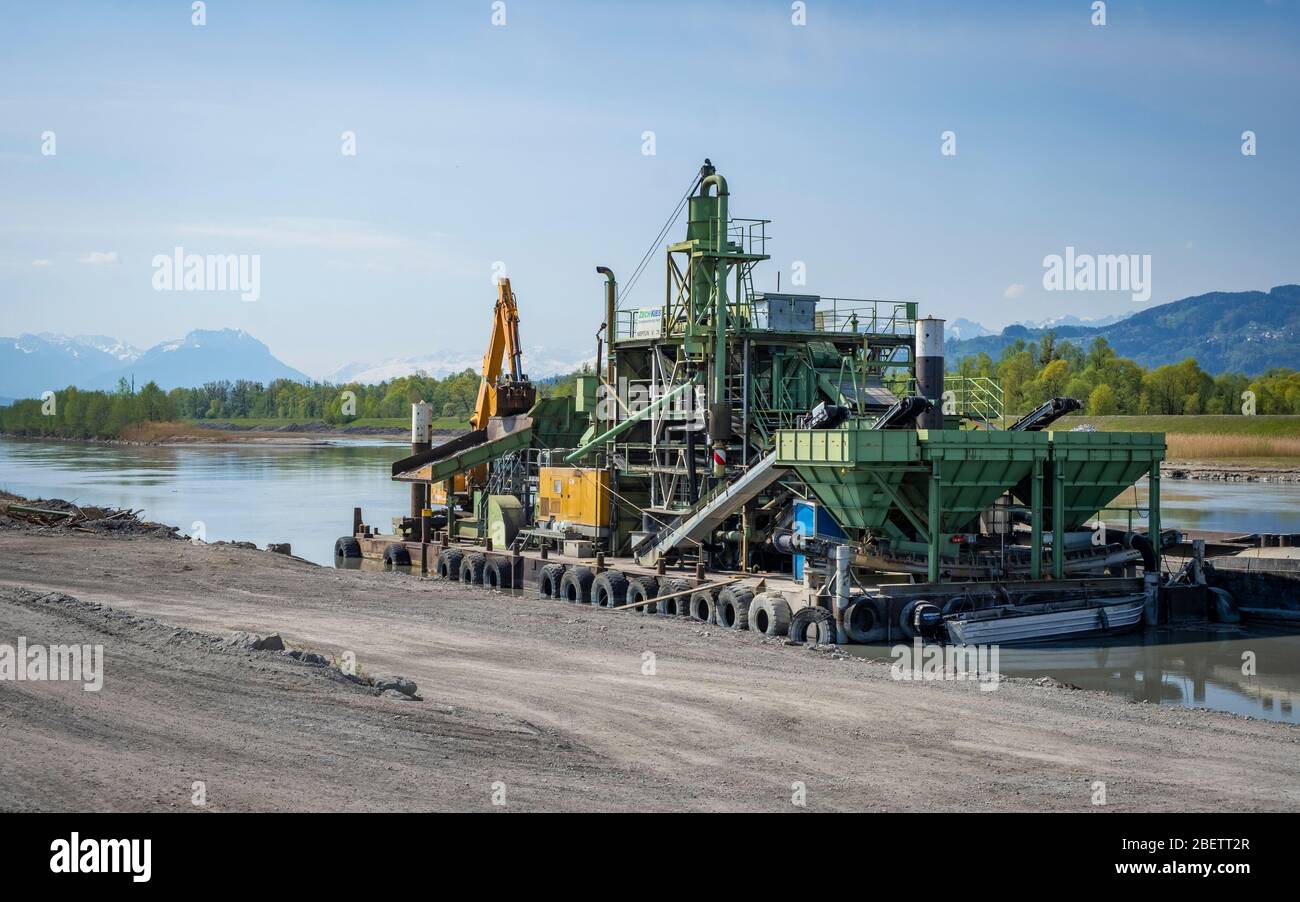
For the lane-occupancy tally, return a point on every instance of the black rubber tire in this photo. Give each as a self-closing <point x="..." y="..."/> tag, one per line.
<point x="732" y="608"/>
<point x="347" y="547"/>
<point x="575" y="586"/>
<point x="499" y="574"/>
<point x="864" y="622"/>
<point x="815" y="620"/>
<point x="548" y="581"/>
<point x="471" y="569"/>
<point x="702" y="606"/>
<point x="609" y="590"/>
<point x="449" y="564"/>
<point x="396" y="555"/>
<point x="639" y="588"/>
<point x="679" y="606"/>
<point x="769" y="614"/>
<point x="905" y="615"/>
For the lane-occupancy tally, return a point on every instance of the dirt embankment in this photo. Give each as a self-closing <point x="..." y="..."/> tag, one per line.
<point x="540" y="704"/>
<point x="1228" y="472"/>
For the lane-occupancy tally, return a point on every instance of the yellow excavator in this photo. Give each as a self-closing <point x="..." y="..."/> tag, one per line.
<point x="502" y="392"/>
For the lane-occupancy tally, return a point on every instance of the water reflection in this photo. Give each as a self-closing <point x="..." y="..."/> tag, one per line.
<point x="1254" y="672"/>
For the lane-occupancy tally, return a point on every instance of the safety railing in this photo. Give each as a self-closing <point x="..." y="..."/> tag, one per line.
<point x="868" y="317"/>
<point x="972" y="397"/>
<point x="749" y="235"/>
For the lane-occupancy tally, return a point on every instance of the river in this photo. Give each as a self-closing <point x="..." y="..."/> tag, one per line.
<point x="304" y="495"/>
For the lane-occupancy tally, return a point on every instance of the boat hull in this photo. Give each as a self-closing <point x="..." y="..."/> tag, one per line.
<point x="1015" y="627"/>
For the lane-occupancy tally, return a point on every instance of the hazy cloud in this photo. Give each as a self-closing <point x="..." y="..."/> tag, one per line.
<point x="1014" y="290"/>
<point x="100" y="258"/>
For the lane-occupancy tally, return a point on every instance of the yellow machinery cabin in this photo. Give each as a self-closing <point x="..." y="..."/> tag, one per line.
<point x="576" y="497"/>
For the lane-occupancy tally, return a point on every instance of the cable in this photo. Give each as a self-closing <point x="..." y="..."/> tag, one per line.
<point x="654" y="245"/>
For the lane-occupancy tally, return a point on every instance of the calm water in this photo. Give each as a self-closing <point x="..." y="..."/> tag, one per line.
<point x="305" y="495"/>
<point x="300" y="495"/>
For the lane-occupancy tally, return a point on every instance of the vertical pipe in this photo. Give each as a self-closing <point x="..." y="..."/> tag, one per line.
<point x="356" y="521"/>
<point x="611" y="303"/>
<point x="929" y="370"/>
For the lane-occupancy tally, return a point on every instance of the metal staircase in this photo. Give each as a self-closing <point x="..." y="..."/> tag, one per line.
<point x="697" y="523"/>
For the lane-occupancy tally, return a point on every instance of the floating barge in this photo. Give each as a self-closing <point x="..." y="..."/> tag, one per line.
<point x="789" y="463"/>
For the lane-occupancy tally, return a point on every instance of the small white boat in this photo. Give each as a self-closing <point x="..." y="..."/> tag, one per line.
<point x="1044" y="622"/>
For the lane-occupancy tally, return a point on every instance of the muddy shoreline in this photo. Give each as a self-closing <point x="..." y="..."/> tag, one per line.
<point x="569" y="708"/>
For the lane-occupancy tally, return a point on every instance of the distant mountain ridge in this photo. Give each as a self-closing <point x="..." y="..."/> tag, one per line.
<point x="1226" y="331"/>
<point x="32" y="364"/>
<point x="538" y="364"/>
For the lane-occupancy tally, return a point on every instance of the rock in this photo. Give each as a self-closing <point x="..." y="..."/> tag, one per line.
<point x="278" y="547"/>
<point x="400" y="684"/>
<point x="399" y="696"/>
<point x="243" y="640"/>
<point x="310" y="657"/>
<point x="252" y="642"/>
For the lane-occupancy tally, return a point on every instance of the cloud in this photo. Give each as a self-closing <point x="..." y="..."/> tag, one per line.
<point x="100" y="258"/>
<point x="305" y="232"/>
<point x="1014" y="290"/>
<point x="40" y="263"/>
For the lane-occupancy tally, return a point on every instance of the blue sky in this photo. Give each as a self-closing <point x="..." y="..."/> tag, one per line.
<point x="523" y="144"/>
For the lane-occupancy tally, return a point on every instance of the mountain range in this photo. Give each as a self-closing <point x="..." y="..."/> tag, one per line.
<point x="1244" y="331"/>
<point x="538" y="364"/>
<point x="961" y="329"/>
<point x="32" y="364"/>
<point x="1226" y="331"/>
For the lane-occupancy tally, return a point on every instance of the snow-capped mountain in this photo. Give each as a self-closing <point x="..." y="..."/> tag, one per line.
<point x="209" y="356"/>
<point x="539" y="363"/>
<point x="32" y="364"/>
<point x="119" y="350"/>
<point x="1069" y="319"/>
<point x="959" y="329"/>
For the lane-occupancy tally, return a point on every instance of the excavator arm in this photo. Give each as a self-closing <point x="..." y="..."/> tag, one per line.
<point x="514" y="394"/>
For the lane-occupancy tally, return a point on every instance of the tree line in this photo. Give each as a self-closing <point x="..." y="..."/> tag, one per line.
<point x="74" y="413"/>
<point x="1031" y="372"/>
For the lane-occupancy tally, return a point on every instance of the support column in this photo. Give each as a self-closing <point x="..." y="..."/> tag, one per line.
<point x="1058" y="520"/>
<point x="843" y="555"/>
<point x="1036" y="523"/>
<point x="935" y="524"/>
<point x="1153" y="514"/>
<point x="421" y="441"/>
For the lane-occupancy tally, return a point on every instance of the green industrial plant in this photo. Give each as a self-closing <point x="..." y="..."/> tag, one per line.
<point x="790" y="462"/>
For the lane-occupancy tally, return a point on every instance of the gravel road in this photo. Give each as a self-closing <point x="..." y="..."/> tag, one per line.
<point x="540" y="704"/>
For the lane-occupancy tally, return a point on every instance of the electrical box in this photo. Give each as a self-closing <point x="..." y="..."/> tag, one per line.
<point x="584" y="393"/>
<point x="576" y="497"/>
<point x="786" y="312"/>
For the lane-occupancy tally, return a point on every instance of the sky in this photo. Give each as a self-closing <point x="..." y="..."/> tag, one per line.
<point x="482" y="145"/>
